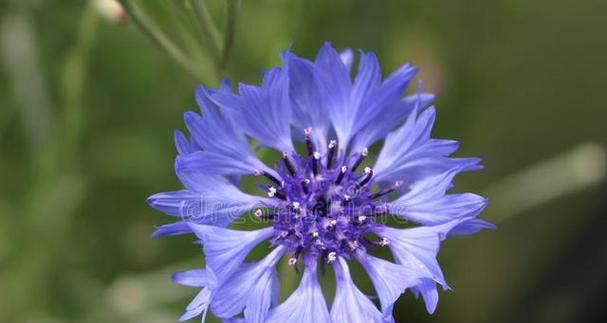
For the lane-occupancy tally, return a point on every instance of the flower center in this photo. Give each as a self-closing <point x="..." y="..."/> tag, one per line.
<point x="326" y="204"/>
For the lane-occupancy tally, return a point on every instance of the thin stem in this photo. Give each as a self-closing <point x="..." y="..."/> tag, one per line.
<point x="157" y="36"/>
<point x="233" y="7"/>
<point x="208" y="27"/>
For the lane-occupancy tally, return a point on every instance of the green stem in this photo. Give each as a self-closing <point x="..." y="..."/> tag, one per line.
<point x="158" y="37"/>
<point x="208" y="27"/>
<point x="233" y="7"/>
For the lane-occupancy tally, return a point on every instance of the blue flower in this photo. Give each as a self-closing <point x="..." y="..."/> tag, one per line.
<point x="327" y="201"/>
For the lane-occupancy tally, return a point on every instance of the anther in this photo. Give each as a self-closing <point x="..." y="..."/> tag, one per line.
<point x="309" y="145"/>
<point x="258" y="213"/>
<point x="288" y="164"/>
<point x="360" y="159"/>
<point x="362" y="218"/>
<point x="315" y="234"/>
<point x="273" y="192"/>
<point x="296" y="205"/>
<point x="332" y="145"/>
<point x="331" y="257"/>
<point x="384" y="242"/>
<point x="342" y="172"/>
<point x="292" y="261"/>
<point x="315" y="159"/>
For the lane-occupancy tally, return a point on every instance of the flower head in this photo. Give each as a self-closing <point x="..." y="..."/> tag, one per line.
<point x="327" y="199"/>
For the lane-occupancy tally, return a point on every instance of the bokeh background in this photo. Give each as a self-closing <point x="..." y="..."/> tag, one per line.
<point x="89" y="101"/>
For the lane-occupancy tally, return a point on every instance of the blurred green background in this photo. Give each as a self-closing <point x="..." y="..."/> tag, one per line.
<point x="88" y="104"/>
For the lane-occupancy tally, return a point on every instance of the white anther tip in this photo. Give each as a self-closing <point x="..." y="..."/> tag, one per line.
<point x="258" y="213"/>
<point x="272" y="191"/>
<point x="316" y="155"/>
<point x="344" y="169"/>
<point x="308" y="131"/>
<point x="384" y="242"/>
<point x="292" y="261"/>
<point x="332" y="144"/>
<point x="365" y="151"/>
<point x="331" y="257"/>
<point x="296" y="205"/>
<point x="361" y="218"/>
<point x="368" y="170"/>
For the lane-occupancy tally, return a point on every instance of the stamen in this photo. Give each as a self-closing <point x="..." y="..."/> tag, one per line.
<point x="386" y="191"/>
<point x="342" y="172"/>
<point x="315" y="159"/>
<point x="258" y="213"/>
<point x="288" y="163"/>
<point x="268" y="176"/>
<point x="332" y="145"/>
<point x="292" y="261"/>
<point x="360" y="159"/>
<point x="366" y="179"/>
<point x="362" y="218"/>
<point x="304" y="185"/>
<point x="309" y="144"/>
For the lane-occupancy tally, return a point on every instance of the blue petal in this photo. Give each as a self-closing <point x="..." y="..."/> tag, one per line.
<point x="427" y="288"/>
<point x="183" y="145"/>
<point x="306" y="304"/>
<point x="350" y="304"/>
<point x="252" y="288"/>
<point x="379" y="99"/>
<point x="417" y="248"/>
<point x="366" y="83"/>
<point x="378" y="127"/>
<point x="347" y="57"/>
<point x="198" y="306"/>
<point x="172" y="229"/>
<point x="262" y="112"/>
<point x="471" y="227"/>
<point x="200" y="303"/>
<point x="208" y="200"/>
<point x="175" y="203"/>
<point x="308" y="107"/>
<point x="192" y="278"/>
<point x="213" y="163"/>
<point x="226" y="148"/>
<point x="409" y="154"/>
<point x="426" y="202"/>
<point x="390" y="279"/>
<point x="335" y="87"/>
<point x="225" y="249"/>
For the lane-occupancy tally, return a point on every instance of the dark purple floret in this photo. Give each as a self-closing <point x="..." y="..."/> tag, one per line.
<point x="327" y="206"/>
